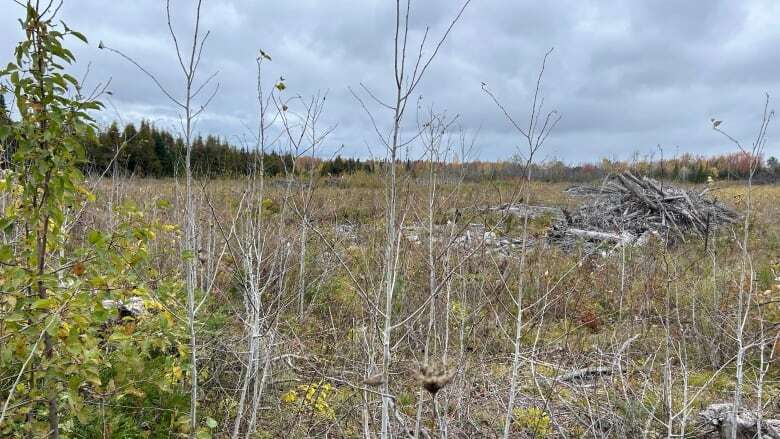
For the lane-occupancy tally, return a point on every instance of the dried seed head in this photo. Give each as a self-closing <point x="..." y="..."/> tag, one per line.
<point x="434" y="378"/>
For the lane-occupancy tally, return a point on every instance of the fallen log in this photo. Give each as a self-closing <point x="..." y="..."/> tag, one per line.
<point x="624" y="239"/>
<point x="521" y="210"/>
<point x="585" y="374"/>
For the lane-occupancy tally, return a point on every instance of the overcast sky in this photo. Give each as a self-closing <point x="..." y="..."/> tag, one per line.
<point x="625" y="75"/>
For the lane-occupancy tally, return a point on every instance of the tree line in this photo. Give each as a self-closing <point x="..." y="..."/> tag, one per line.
<point x="149" y="151"/>
<point x="146" y="150"/>
<point x="684" y="168"/>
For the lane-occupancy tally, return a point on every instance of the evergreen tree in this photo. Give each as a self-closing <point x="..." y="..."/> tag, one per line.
<point x="165" y="151"/>
<point x="146" y="150"/>
<point x="101" y="151"/>
<point x="6" y="143"/>
<point x="4" y="117"/>
<point x="128" y="157"/>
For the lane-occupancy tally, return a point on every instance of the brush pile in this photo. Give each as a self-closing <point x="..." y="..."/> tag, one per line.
<point x="628" y="210"/>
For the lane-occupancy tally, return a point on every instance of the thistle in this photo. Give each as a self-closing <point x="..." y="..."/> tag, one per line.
<point x="434" y="378"/>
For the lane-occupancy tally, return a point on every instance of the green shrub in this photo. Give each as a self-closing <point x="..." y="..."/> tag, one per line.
<point x="532" y="420"/>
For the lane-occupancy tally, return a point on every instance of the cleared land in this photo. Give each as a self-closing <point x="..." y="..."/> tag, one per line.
<point x="613" y="344"/>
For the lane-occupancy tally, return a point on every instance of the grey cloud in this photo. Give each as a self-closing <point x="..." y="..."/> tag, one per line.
<point x="626" y="75"/>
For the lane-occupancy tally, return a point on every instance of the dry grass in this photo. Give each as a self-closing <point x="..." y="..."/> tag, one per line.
<point x="662" y="321"/>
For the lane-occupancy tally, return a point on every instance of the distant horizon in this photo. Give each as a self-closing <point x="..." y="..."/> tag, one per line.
<point x="332" y="152"/>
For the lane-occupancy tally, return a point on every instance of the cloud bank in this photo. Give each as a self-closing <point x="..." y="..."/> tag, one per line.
<point x="626" y="76"/>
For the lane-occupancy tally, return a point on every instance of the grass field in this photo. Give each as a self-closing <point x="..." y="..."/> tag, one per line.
<point x="398" y="297"/>
<point x="652" y="328"/>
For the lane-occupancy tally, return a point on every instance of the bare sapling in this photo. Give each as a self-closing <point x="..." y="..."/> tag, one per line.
<point x="256" y="254"/>
<point x="436" y="141"/>
<point x="304" y="135"/>
<point x="746" y="282"/>
<point x="534" y="134"/>
<point x="189" y="59"/>
<point x="409" y="69"/>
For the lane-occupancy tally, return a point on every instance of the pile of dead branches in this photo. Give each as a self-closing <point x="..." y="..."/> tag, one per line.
<point x="628" y="210"/>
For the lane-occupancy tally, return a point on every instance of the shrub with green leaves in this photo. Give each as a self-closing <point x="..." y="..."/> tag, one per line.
<point x="67" y="363"/>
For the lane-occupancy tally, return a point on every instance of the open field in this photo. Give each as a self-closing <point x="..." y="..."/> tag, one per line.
<point x="651" y="328"/>
<point x="231" y="275"/>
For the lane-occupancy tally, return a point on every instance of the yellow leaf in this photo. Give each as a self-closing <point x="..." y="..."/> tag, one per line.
<point x="177" y="372"/>
<point x="290" y="397"/>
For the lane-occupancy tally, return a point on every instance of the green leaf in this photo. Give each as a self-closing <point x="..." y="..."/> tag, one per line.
<point x="6" y="223"/>
<point x="94" y="237"/>
<point x="43" y="303"/>
<point x="79" y="35"/>
<point x="15" y="317"/>
<point x="211" y="423"/>
<point x="100" y="315"/>
<point x="6" y="253"/>
<point x="52" y="324"/>
<point x="73" y="344"/>
<point x="74" y="382"/>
